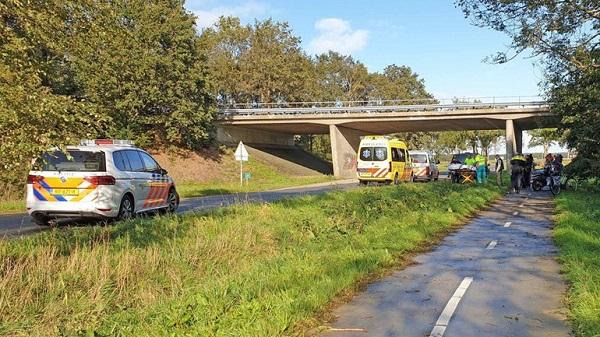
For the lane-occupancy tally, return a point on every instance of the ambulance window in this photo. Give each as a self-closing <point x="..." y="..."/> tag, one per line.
<point x="373" y="153"/>
<point x="135" y="161"/>
<point x="149" y="162"/>
<point x="380" y="153"/>
<point x="395" y="156"/>
<point x="121" y="162"/>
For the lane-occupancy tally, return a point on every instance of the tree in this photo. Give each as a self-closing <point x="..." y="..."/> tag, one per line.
<point x="34" y="113"/>
<point x="544" y="138"/>
<point x="139" y="63"/>
<point x="340" y="78"/>
<point x="259" y="63"/>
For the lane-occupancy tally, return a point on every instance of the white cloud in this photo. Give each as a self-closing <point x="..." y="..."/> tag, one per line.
<point x="337" y="35"/>
<point x="249" y="9"/>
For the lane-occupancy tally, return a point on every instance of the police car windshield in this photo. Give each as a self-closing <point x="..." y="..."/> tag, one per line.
<point x="373" y="153"/>
<point x="73" y="161"/>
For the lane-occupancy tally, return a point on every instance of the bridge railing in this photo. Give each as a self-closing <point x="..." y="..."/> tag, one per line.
<point x="374" y="106"/>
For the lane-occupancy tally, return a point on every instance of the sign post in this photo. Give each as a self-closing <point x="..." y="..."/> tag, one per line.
<point x="241" y="155"/>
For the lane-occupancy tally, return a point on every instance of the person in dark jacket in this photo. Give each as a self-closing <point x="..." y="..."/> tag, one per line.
<point x="517" y="167"/>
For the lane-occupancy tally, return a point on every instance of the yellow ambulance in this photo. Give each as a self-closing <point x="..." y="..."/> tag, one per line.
<point x="383" y="159"/>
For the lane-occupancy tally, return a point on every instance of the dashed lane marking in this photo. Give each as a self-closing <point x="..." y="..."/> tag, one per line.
<point x="492" y="244"/>
<point x="446" y="315"/>
<point x="508" y="223"/>
<point x="515" y="213"/>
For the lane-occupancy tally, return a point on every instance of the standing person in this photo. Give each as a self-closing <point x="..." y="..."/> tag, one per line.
<point x="517" y="166"/>
<point x="499" y="169"/>
<point x="527" y="171"/>
<point x="480" y="168"/>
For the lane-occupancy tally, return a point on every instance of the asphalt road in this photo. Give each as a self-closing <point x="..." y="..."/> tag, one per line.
<point x="20" y="224"/>
<point x="495" y="277"/>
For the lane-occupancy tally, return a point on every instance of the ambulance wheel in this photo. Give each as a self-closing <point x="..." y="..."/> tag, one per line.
<point x="126" y="210"/>
<point x="396" y="179"/>
<point x="172" y="201"/>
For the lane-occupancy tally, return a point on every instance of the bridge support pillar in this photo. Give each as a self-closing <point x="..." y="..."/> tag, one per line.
<point x="344" y="146"/>
<point x="514" y="139"/>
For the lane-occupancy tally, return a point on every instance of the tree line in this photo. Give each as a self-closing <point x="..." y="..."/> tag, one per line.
<point x="140" y="69"/>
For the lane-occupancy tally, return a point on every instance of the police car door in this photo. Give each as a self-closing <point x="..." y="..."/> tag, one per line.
<point x="158" y="183"/>
<point x="139" y="178"/>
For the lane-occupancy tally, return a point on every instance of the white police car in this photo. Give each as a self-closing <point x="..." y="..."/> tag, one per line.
<point x="101" y="178"/>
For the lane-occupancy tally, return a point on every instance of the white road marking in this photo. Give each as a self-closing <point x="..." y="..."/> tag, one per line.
<point x="492" y="244"/>
<point x="521" y="205"/>
<point x="515" y="213"/>
<point x="348" y="329"/>
<point x="508" y="223"/>
<point x="446" y="315"/>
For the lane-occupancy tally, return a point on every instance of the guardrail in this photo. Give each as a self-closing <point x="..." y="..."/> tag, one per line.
<point x="300" y="108"/>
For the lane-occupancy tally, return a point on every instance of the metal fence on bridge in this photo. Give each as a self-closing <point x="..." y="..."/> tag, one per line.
<point x="380" y="106"/>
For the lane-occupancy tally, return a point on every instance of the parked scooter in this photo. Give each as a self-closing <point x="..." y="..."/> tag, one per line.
<point x="539" y="179"/>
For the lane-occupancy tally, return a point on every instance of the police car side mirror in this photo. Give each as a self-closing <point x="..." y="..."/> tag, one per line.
<point x="163" y="171"/>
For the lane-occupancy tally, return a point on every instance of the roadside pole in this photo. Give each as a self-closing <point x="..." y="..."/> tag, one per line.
<point x="241" y="155"/>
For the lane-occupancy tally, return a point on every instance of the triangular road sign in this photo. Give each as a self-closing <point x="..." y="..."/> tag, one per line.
<point x="241" y="154"/>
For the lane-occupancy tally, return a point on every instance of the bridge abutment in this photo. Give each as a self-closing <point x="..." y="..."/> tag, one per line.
<point x="344" y="146"/>
<point x="514" y="139"/>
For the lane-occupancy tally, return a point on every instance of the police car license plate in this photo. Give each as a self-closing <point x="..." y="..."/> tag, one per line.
<point x="66" y="191"/>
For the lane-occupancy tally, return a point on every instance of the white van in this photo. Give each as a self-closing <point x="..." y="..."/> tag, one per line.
<point x="425" y="166"/>
<point x="98" y="179"/>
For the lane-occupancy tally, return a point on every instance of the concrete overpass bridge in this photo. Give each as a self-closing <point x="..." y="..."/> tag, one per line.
<point x="276" y="124"/>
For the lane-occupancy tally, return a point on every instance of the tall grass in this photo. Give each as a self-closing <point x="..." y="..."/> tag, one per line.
<point x="12" y="200"/>
<point x="248" y="270"/>
<point x="578" y="237"/>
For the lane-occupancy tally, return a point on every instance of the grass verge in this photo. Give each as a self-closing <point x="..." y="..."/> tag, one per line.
<point x="577" y="235"/>
<point x="247" y="270"/>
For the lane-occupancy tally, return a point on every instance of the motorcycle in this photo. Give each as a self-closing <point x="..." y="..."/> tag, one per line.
<point x="540" y="179"/>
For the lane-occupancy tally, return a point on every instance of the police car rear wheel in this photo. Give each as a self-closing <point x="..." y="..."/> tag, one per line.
<point x="126" y="208"/>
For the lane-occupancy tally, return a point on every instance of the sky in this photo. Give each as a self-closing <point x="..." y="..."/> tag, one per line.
<point x="430" y="36"/>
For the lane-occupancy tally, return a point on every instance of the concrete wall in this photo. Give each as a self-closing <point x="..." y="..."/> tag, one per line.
<point x="344" y="146"/>
<point x="233" y="135"/>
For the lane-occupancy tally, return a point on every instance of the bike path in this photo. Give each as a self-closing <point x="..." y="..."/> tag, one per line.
<point x="497" y="276"/>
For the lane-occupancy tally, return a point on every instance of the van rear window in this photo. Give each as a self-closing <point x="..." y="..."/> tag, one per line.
<point x="73" y="161"/>
<point x="373" y="153"/>
<point x="419" y="158"/>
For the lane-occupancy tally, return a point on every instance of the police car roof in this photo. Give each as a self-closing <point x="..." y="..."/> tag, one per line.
<point x="104" y="148"/>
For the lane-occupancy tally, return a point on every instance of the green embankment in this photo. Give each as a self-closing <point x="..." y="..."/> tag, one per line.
<point x="247" y="270"/>
<point x="263" y="177"/>
<point x="577" y="235"/>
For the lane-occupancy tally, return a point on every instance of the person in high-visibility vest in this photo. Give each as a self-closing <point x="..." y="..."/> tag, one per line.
<point x="481" y="169"/>
<point x="517" y="168"/>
